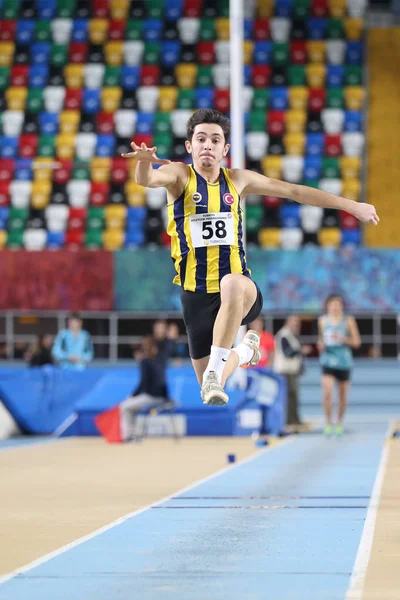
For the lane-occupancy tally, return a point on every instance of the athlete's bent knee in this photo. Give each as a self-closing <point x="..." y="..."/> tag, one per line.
<point x="232" y="287"/>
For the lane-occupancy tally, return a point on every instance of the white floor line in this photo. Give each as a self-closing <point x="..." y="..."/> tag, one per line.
<point x="358" y="575"/>
<point x="97" y="532"/>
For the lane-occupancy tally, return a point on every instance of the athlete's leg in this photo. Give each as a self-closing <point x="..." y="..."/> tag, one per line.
<point x="200" y="365"/>
<point x="327" y="382"/>
<point x="343" y="395"/>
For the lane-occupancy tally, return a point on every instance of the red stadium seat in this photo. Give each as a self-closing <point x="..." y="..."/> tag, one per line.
<point x="19" y="75"/>
<point x="261" y="30"/>
<point x="150" y="75"/>
<point x="74" y="238"/>
<point x="78" y="52"/>
<point x="260" y="75"/>
<point x="7" y="30"/>
<point x="206" y="53"/>
<point x="77" y="219"/>
<point x="333" y="145"/>
<point x="4" y="193"/>
<point x="105" y="122"/>
<point x="272" y="201"/>
<point x="28" y="143"/>
<point x="73" y="99"/>
<point x="119" y="170"/>
<point x="99" y="193"/>
<point x="347" y="221"/>
<point x="298" y="53"/>
<point x="276" y="122"/>
<point x="145" y="138"/>
<point x="316" y="99"/>
<point x="116" y="30"/>
<point x="222" y="100"/>
<point x="6" y="168"/>
<point x="100" y="8"/>
<point x="192" y="8"/>
<point x="319" y="8"/>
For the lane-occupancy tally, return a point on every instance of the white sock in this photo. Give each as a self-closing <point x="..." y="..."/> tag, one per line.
<point x="244" y="352"/>
<point x="217" y="362"/>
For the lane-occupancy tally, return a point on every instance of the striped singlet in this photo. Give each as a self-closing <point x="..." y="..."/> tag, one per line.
<point x="205" y="225"/>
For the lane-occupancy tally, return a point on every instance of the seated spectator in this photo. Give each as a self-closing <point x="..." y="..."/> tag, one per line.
<point x="73" y="348"/>
<point x="39" y="353"/>
<point x="19" y="350"/>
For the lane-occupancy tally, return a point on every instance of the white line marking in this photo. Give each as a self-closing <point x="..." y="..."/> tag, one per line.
<point x="358" y="575"/>
<point x="90" y="536"/>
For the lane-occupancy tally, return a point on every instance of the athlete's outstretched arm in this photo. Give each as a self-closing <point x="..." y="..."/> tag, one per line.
<point x="250" y="182"/>
<point x="145" y="175"/>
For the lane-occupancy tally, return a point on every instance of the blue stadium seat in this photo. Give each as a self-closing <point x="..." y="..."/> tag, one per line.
<point x="278" y="99"/>
<point x="38" y="76"/>
<point x="40" y="52"/>
<point x="315" y="144"/>
<point x="316" y="28"/>
<point x="334" y="76"/>
<point x="247" y="75"/>
<point x="312" y="167"/>
<point x="25" y="32"/>
<point x="283" y="8"/>
<point x="144" y="123"/>
<point x="55" y="239"/>
<point x="134" y="238"/>
<point x="262" y="53"/>
<point x="79" y="30"/>
<point x="248" y="29"/>
<point x="130" y="77"/>
<point x="174" y="9"/>
<point x="4" y="212"/>
<point x="91" y="101"/>
<point x="170" y="53"/>
<point x="9" y="147"/>
<point x="354" y="53"/>
<point x="135" y="216"/>
<point x="290" y="215"/>
<point x="204" y="97"/>
<point x="152" y="30"/>
<point x="351" y="237"/>
<point x="23" y="169"/>
<point x="352" y="120"/>
<point x="105" y="145"/>
<point x="48" y="123"/>
<point x="46" y="9"/>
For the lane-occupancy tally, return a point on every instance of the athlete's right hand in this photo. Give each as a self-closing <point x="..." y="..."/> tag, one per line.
<point x="145" y="154"/>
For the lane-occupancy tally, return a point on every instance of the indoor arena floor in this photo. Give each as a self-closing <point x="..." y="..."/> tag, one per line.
<point x="306" y="518"/>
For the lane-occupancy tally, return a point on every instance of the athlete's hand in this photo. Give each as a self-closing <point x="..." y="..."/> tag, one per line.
<point x="366" y="213"/>
<point x="143" y="153"/>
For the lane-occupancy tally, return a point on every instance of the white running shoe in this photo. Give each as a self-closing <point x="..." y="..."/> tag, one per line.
<point x="212" y="391"/>
<point x="252" y="339"/>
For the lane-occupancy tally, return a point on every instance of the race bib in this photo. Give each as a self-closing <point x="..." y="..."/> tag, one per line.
<point x="212" y="229"/>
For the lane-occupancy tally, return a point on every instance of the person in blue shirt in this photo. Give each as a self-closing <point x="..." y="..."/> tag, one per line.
<point x="337" y="335"/>
<point x="73" y="348"/>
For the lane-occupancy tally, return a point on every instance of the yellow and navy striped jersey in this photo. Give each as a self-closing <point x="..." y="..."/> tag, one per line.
<point x="206" y="227"/>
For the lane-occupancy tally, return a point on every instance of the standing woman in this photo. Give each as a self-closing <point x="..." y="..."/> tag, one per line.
<point x="337" y="335"/>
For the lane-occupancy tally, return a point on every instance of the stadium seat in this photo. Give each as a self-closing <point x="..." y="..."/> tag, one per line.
<point x="353" y="144"/>
<point x="35" y="239"/>
<point x="298" y="97"/>
<point x="269" y="237"/>
<point x="293" y="168"/>
<point x="351" y="237"/>
<point x="333" y="120"/>
<point x="257" y="145"/>
<point x="350" y="167"/>
<point x="295" y="120"/>
<point x="272" y="166"/>
<point x="311" y="218"/>
<point x="294" y="144"/>
<point x="336" y="50"/>
<point x="352" y="189"/>
<point x="291" y="238"/>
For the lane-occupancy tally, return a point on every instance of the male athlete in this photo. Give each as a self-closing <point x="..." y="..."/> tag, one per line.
<point x="205" y="225"/>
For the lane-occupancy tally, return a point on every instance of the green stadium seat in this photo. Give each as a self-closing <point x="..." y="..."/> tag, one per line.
<point x="134" y="30"/>
<point x="17" y="219"/>
<point x="163" y="142"/>
<point x="162" y="122"/>
<point x="43" y="31"/>
<point x="35" y="101"/>
<point x="207" y="30"/>
<point x="260" y="99"/>
<point x="47" y="145"/>
<point x="81" y="171"/>
<point x="15" y="238"/>
<point x="254" y="217"/>
<point x="204" y="76"/>
<point x="280" y="54"/>
<point x="95" y="218"/>
<point x="151" y="55"/>
<point x="4" y="77"/>
<point x="223" y="8"/>
<point x="59" y="54"/>
<point x="301" y="9"/>
<point x="335" y="98"/>
<point x="335" y="29"/>
<point x="65" y="9"/>
<point x="10" y="9"/>
<point x="93" y="239"/>
<point x="186" y="99"/>
<point x="297" y="75"/>
<point x="156" y="9"/>
<point x="112" y="76"/>
<point x="257" y="120"/>
<point x="330" y="168"/>
<point x="352" y="75"/>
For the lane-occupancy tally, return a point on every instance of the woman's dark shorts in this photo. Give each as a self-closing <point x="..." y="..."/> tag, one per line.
<point x="338" y="374"/>
<point x="199" y="313"/>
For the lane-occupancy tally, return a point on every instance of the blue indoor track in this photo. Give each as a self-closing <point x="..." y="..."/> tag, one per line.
<point x="284" y="525"/>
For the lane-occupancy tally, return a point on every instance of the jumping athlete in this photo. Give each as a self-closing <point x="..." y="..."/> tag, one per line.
<point x="205" y="224"/>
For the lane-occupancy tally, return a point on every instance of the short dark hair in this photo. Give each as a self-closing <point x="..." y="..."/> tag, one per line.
<point x="335" y="297"/>
<point x="75" y="315"/>
<point x="208" y="115"/>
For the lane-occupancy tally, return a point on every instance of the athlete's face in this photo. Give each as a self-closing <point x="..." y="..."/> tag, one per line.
<point x="335" y="307"/>
<point x="207" y="146"/>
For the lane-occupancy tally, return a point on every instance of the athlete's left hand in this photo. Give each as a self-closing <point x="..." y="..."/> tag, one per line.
<point x="366" y="213"/>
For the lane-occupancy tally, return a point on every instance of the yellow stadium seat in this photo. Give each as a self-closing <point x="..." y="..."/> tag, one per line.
<point x="354" y="96"/>
<point x="113" y="239"/>
<point x="222" y="28"/>
<point x="298" y="97"/>
<point x="353" y="28"/>
<point x="115" y="216"/>
<point x="74" y="76"/>
<point x="65" y="145"/>
<point x="16" y="98"/>
<point x="269" y="238"/>
<point x="351" y="189"/>
<point x="316" y="51"/>
<point x="98" y="30"/>
<point x="131" y="167"/>
<point x="39" y="201"/>
<point x="337" y="8"/>
<point x="43" y="169"/>
<point x="330" y="236"/>
<point x="272" y="166"/>
<point x="3" y="239"/>
<point x="248" y="50"/>
<point x="135" y="193"/>
<point x="119" y="9"/>
<point x="186" y="75"/>
<point x="111" y="99"/>
<point x="294" y="143"/>
<point x="295" y="121"/>
<point x="114" y="53"/>
<point x="316" y="74"/>
<point x="350" y="167"/>
<point x="100" y="169"/>
<point x="167" y="99"/>
<point x="265" y="8"/>
<point x="40" y="194"/>
<point x="69" y="121"/>
<point x="6" y="53"/>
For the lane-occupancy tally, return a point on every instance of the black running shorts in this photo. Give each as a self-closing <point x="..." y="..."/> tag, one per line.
<point x="199" y="313"/>
<point x="338" y="374"/>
